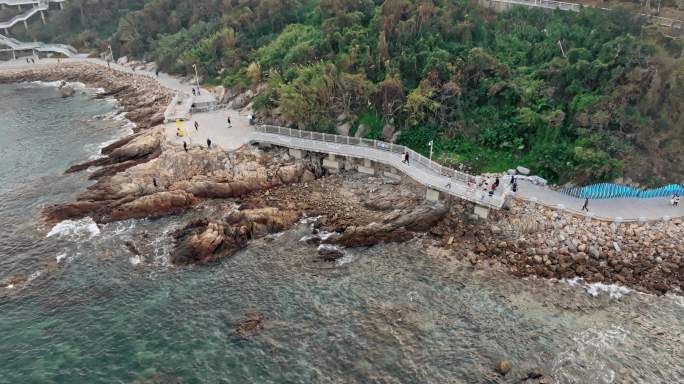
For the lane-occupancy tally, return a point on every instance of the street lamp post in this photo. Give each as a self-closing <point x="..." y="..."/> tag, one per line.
<point x="194" y="66"/>
<point x="431" y="143"/>
<point x="111" y="54"/>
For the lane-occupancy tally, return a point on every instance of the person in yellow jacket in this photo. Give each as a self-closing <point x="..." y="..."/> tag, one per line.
<point x="179" y="128"/>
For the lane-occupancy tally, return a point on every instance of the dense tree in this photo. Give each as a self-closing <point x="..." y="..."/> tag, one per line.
<point x="575" y="96"/>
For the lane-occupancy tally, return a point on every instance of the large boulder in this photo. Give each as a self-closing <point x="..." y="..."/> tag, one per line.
<point x="523" y="171"/>
<point x="396" y="226"/>
<point x="138" y="147"/>
<point x="155" y="205"/>
<point x="206" y="240"/>
<point x="388" y="131"/>
<point x="362" y="130"/>
<point x="199" y="240"/>
<point x="343" y="129"/>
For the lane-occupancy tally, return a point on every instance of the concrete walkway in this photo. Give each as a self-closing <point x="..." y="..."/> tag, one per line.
<point x="628" y="209"/>
<point x="213" y="125"/>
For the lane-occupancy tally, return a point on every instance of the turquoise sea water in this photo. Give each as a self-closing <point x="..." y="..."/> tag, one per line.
<point x="392" y="314"/>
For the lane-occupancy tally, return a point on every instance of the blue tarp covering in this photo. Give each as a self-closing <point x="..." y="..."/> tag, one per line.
<point x="612" y="191"/>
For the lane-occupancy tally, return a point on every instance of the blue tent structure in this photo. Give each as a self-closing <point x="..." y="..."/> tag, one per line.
<point x="616" y="191"/>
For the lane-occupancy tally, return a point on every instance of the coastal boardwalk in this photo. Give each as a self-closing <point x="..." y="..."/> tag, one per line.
<point x="213" y="125"/>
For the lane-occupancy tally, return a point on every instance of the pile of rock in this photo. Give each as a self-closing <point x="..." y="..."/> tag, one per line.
<point x="533" y="240"/>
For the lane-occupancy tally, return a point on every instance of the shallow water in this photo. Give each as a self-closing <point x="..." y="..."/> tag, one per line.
<point x="392" y="314"/>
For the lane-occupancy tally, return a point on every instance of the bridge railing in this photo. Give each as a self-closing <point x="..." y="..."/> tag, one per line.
<point x="549" y="4"/>
<point x="369" y="143"/>
<point x="468" y="192"/>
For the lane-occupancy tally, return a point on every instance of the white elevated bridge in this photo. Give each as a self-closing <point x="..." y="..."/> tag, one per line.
<point x="437" y="178"/>
<point x="13" y="45"/>
<point x="36" y="6"/>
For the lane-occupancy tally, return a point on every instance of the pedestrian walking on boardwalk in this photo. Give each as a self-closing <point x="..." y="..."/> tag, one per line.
<point x="513" y="179"/>
<point x="196" y="126"/>
<point x="209" y="143"/>
<point x="496" y="182"/>
<point x="156" y="72"/>
<point x="194" y="93"/>
<point x="154" y="181"/>
<point x="585" y="207"/>
<point x="185" y="146"/>
<point x="228" y="120"/>
<point x="674" y="200"/>
<point x="406" y="158"/>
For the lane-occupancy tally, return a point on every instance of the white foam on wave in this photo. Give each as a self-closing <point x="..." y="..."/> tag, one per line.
<point x="588" y="353"/>
<point x="75" y="228"/>
<point x="309" y="220"/>
<point x="135" y="260"/>
<point x="614" y="291"/>
<point x="58" y="83"/>
<point x="47" y="83"/>
<point x="346" y="259"/>
<point x="61" y="257"/>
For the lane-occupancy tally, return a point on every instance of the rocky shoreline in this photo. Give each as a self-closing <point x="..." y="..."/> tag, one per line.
<point x="142" y="176"/>
<point x="141" y="97"/>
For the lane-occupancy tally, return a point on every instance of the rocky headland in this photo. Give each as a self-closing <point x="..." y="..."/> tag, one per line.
<point x="267" y="191"/>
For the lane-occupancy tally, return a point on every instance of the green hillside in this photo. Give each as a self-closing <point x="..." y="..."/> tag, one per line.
<point x="574" y="96"/>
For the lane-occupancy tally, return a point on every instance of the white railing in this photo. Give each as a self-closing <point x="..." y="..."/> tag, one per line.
<point x="436" y="175"/>
<point x="548" y="4"/>
<point x="369" y="143"/>
<point x="41" y="5"/>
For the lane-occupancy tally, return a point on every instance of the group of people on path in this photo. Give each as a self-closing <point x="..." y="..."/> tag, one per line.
<point x="179" y="133"/>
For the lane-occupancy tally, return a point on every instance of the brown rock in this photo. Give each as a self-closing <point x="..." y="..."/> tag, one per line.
<point x="503" y="367"/>
<point x="158" y="204"/>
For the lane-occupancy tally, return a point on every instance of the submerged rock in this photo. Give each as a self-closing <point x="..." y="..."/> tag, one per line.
<point x="327" y="252"/>
<point x="250" y="324"/>
<point x="503" y="367"/>
<point x="67" y="91"/>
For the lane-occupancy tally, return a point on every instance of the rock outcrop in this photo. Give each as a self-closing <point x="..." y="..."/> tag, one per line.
<point x="396" y="226"/>
<point x="206" y="240"/>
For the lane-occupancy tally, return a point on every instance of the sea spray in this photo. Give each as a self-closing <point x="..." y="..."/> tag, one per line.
<point x="85" y="228"/>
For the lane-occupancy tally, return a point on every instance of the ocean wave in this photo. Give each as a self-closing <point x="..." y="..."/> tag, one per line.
<point x="58" y="83"/>
<point x="135" y="260"/>
<point x="614" y="291"/>
<point x="75" y="229"/>
<point x="588" y="355"/>
<point x="61" y="257"/>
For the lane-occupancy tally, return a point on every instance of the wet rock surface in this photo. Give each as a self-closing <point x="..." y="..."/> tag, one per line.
<point x="207" y="240"/>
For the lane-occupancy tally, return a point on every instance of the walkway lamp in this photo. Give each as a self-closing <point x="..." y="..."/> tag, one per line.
<point x="111" y="54"/>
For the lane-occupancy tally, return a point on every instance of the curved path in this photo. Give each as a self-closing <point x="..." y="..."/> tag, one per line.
<point x="213" y="125"/>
